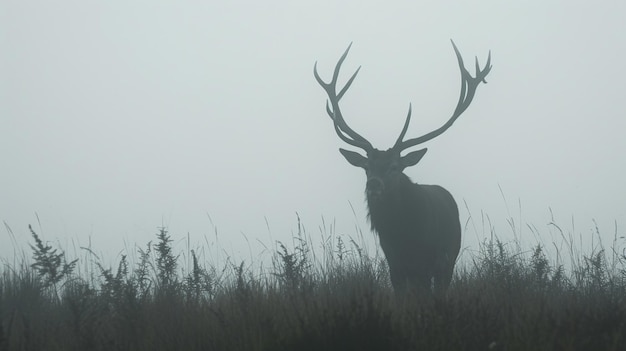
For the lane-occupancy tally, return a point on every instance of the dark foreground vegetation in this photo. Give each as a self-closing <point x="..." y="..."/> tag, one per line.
<point x="501" y="299"/>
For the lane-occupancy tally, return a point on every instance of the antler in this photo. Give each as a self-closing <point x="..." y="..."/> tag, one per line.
<point x="344" y="131"/>
<point x="468" y="89"/>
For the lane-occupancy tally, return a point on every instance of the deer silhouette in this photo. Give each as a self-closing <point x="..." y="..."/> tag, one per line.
<point x="417" y="225"/>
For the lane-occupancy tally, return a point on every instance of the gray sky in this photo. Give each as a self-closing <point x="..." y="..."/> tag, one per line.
<point x="120" y="116"/>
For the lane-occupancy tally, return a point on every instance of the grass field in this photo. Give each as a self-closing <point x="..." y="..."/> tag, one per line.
<point x="502" y="298"/>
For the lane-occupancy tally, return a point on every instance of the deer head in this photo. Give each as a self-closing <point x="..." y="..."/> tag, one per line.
<point x="384" y="169"/>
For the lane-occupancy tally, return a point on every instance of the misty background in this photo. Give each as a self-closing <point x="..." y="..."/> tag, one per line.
<point x="119" y="117"/>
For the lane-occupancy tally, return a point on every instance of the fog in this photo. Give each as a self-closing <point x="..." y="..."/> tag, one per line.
<point x="119" y="117"/>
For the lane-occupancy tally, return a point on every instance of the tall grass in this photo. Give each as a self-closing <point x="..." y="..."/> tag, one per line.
<point x="501" y="298"/>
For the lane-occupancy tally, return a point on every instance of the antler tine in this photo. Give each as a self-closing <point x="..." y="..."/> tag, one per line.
<point x="344" y="131"/>
<point x="468" y="89"/>
<point x="405" y="128"/>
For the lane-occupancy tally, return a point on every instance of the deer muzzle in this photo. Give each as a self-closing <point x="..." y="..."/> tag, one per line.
<point x="374" y="187"/>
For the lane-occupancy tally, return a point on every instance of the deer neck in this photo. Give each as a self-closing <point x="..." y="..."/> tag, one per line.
<point x="390" y="208"/>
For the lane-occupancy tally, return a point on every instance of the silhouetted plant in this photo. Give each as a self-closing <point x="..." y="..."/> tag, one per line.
<point x="506" y="298"/>
<point x="593" y="275"/>
<point x="165" y="261"/>
<point x="542" y="274"/>
<point x="198" y="282"/>
<point x="141" y="273"/>
<point x="340" y="250"/>
<point x="540" y="267"/>
<point x="116" y="287"/>
<point x="495" y="262"/>
<point x="50" y="266"/>
<point x="292" y="268"/>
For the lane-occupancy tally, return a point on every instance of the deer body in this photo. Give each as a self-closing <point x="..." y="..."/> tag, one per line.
<point x="417" y="225"/>
<point x="420" y="234"/>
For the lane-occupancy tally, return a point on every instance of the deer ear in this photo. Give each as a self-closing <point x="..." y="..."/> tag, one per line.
<point x="412" y="158"/>
<point x="354" y="158"/>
